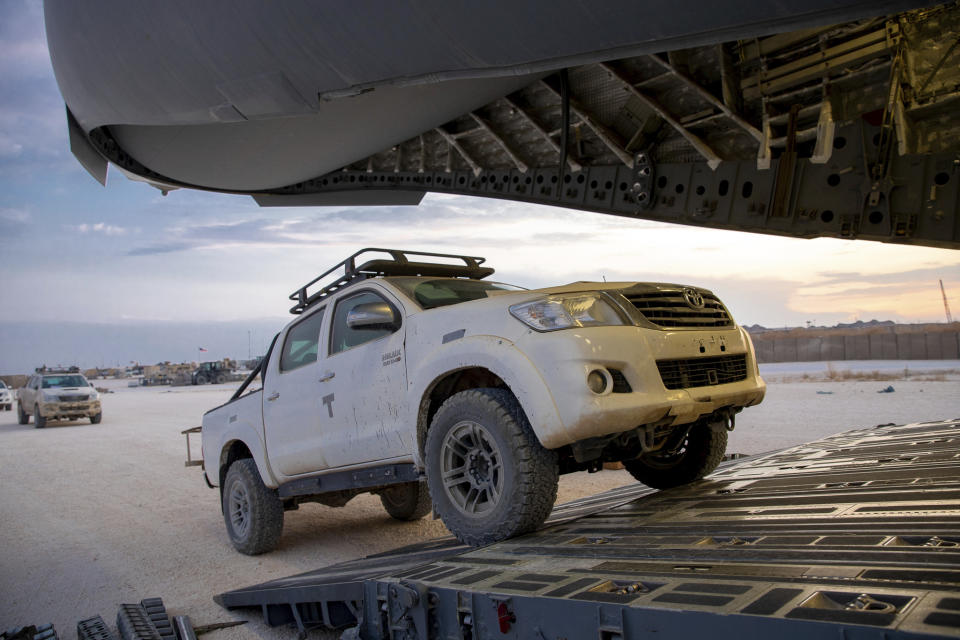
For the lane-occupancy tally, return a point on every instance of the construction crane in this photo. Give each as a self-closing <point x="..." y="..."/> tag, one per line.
<point x="946" y="305"/>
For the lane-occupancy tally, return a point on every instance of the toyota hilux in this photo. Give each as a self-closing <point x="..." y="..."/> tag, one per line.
<point x="413" y="376"/>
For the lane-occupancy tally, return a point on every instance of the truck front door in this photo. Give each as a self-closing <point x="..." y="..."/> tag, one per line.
<point x="364" y="388"/>
<point x="28" y="394"/>
<point x="292" y="405"/>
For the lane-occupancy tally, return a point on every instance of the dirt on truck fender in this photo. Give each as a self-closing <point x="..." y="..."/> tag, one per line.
<point x="413" y="376"/>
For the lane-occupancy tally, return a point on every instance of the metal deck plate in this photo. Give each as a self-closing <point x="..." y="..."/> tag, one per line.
<point x="859" y="532"/>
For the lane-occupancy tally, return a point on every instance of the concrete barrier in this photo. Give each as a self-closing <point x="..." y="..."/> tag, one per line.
<point x="892" y="344"/>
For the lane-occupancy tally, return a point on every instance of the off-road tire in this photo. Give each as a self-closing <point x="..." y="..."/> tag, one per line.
<point x="38" y="420"/>
<point x="257" y="510"/>
<point x="407" y="501"/>
<point x="700" y="454"/>
<point x="95" y="419"/>
<point x="221" y="379"/>
<point x="22" y="417"/>
<point x="201" y="379"/>
<point x="528" y="486"/>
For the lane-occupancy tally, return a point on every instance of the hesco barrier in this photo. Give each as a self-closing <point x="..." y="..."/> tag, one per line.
<point x="875" y="344"/>
<point x="853" y="536"/>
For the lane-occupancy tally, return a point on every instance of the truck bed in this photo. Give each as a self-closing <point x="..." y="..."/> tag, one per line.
<point x="856" y="535"/>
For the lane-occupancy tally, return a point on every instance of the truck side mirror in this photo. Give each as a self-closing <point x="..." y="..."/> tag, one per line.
<point x="372" y="315"/>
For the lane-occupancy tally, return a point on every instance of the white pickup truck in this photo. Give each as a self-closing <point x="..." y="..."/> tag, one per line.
<point x="50" y="395"/>
<point x="433" y="387"/>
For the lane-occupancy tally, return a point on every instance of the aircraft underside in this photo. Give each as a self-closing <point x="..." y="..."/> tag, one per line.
<point x="847" y="130"/>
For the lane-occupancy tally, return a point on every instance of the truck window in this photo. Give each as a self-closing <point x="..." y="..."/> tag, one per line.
<point x="53" y="382"/>
<point x="300" y="345"/>
<point x="344" y="337"/>
<point x="431" y="293"/>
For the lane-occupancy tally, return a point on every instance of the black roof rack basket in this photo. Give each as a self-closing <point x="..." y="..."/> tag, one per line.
<point x="398" y="264"/>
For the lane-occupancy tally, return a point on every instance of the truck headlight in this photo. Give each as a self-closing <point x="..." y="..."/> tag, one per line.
<point x="49" y="397"/>
<point x="566" y="311"/>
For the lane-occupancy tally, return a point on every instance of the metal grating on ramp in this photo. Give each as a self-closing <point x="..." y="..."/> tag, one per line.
<point x="331" y="596"/>
<point x="857" y="533"/>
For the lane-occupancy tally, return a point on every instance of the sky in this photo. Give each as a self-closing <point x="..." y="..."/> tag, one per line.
<point x="94" y="275"/>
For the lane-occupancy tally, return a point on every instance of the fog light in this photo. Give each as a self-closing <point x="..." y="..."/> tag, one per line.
<point x="596" y="381"/>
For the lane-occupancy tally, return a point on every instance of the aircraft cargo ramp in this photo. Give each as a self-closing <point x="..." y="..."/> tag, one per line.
<point x="853" y="536"/>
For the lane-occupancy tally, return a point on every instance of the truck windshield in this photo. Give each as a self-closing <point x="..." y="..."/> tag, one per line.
<point x="439" y="292"/>
<point x="50" y="382"/>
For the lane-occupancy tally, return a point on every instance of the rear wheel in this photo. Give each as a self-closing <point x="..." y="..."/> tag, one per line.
<point x="252" y="512"/>
<point x="22" y="417"/>
<point x="489" y="476"/>
<point x="699" y="453"/>
<point x="407" y="501"/>
<point x="38" y="420"/>
<point x="221" y="378"/>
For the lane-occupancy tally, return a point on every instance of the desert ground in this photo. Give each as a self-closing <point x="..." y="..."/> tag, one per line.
<point x="92" y="516"/>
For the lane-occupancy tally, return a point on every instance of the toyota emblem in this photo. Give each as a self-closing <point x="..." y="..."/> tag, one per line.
<point x="694" y="298"/>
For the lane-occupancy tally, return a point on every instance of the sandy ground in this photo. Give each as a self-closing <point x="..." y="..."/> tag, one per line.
<point x="92" y="516"/>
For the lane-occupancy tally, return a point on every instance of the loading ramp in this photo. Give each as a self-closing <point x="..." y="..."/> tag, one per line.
<point x="852" y="536"/>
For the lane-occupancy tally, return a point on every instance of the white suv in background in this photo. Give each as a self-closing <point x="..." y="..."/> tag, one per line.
<point x="6" y="396"/>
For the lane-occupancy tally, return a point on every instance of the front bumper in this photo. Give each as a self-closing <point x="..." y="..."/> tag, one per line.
<point x="69" y="410"/>
<point x="565" y="359"/>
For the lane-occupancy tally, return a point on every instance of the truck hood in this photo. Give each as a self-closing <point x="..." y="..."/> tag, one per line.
<point x="70" y="391"/>
<point x="574" y="287"/>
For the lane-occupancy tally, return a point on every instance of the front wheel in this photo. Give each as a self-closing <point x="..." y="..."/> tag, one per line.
<point x="489" y="476"/>
<point x="201" y="379"/>
<point x="407" y="501"/>
<point x="252" y="512"/>
<point x="22" y="417"/>
<point x="38" y="420"/>
<point x="695" y="456"/>
<point x="95" y="419"/>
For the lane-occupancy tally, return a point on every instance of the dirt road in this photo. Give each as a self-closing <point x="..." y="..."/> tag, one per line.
<point x="92" y="516"/>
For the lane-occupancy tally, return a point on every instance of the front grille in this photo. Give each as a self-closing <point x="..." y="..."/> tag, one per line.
<point x="702" y="372"/>
<point x="73" y="398"/>
<point x="669" y="309"/>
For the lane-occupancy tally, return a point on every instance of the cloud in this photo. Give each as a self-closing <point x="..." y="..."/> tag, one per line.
<point x="32" y="118"/>
<point x="23" y="39"/>
<point x="98" y="227"/>
<point x="158" y="249"/>
<point x="13" y="222"/>
<point x="9" y="148"/>
<point x="931" y="274"/>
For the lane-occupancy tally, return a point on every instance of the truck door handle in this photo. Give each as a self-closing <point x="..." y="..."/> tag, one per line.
<point x="329" y="375"/>
<point x="273" y="396"/>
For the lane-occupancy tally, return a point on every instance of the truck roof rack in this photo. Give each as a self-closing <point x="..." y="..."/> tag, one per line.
<point x="44" y="370"/>
<point x="398" y="264"/>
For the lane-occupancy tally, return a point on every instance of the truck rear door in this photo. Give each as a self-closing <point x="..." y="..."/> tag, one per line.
<point x="292" y="404"/>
